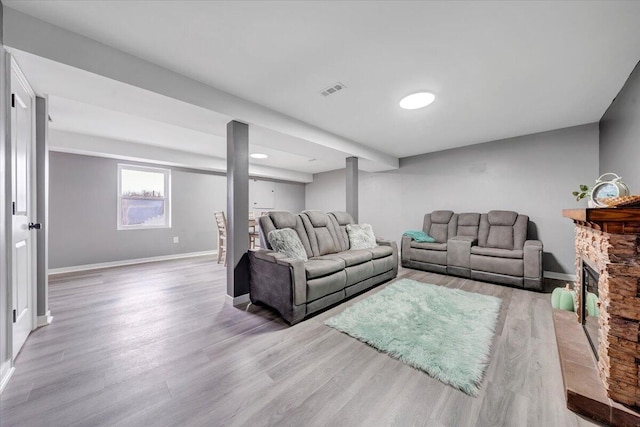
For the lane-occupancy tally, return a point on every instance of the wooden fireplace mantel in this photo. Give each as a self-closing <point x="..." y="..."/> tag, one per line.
<point x="609" y="220"/>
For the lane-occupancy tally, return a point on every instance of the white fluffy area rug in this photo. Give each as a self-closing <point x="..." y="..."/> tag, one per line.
<point x="445" y="332"/>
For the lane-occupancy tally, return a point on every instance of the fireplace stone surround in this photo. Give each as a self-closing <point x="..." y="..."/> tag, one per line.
<point x="608" y="241"/>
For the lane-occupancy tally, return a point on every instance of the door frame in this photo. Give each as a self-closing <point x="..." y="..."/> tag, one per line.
<point x="15" y="68"/>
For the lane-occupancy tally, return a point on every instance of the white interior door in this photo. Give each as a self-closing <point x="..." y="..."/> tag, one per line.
<point x="22" y="141"/>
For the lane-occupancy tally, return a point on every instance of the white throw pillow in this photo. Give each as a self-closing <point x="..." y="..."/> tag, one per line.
<point x="287" y="242"/>
<point x="361" y="236"/>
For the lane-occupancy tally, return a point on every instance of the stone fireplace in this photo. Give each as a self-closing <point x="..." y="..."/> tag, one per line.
<point x="607" y="293"/>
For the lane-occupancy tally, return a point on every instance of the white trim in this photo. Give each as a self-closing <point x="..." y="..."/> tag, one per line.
<point x="45" y="319"/>
<point x="560" y="276"/>
<point x="7" y="371"/>
<point x="239" y="300"/>
<point x="22" y="79"/>
<point x="121" y="263"/>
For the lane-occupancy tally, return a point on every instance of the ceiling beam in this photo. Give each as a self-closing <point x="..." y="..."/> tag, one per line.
<point x="90" y="145"/>
<point x="29" y="34"/>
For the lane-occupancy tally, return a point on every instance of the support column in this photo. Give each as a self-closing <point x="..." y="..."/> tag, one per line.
<point x="352" y="187"/>
<point x="237" y="211"/>
<point x="42" y="213"/>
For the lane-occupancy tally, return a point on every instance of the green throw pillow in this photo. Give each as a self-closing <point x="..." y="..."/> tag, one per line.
<point x="286" y="241"/>
<point x="419" y="236"/>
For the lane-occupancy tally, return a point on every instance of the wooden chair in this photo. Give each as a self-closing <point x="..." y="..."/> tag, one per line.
<point x="254" y="235"/>
<point x="221" y="222"/>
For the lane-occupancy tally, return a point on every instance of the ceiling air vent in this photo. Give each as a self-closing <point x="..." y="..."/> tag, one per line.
<point x="333" y="89"/>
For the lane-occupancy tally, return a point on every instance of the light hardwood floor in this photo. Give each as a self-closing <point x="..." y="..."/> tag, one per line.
<point x="157" y="345"/>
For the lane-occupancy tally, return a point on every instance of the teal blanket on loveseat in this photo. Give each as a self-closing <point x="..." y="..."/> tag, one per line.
<point x="419" y="236"/>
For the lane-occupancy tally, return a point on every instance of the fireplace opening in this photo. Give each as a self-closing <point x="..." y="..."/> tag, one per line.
<point x="590" y="306"/>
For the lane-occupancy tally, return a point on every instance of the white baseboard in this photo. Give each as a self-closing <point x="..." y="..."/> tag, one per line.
<point x="6" y="371"/>
<point x="241" y="299"/>
<point x="99" y="265"/>
<point x="560" y="276"/>
<point x="45" y="319"/>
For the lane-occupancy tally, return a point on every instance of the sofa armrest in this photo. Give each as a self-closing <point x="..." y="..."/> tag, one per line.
<point x="459" y="251"/>
<point x="405" y="254"/>
<point x="533" y="263"/>
<point x="268" y="255"/>
<point x="272" y="272"/>
<point x="384" y="242"/>
<point x="470" y="239"/>
<point x="394" y="247"/>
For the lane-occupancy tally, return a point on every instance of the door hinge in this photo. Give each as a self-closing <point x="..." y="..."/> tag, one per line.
<point x="13" y="208"/>
<point x="15" y="315"/>
<point x="13" y="100"/>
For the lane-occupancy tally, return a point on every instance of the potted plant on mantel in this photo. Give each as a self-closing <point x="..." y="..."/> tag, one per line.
<point x="585" y="192"/>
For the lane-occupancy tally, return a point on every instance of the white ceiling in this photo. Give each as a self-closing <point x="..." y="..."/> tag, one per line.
<point x="499" y="69"/>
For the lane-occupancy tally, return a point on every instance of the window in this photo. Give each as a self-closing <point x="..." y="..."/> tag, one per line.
<point x="143" y="197"/>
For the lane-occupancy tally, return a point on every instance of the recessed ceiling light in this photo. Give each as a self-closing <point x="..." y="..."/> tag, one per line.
<point x="417" y="100"/>
<point x="258" y="155"/>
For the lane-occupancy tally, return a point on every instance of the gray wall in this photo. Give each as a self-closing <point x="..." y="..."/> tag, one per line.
<point x="42" y="189"/>
<point x="82" y="216"/>
<point x="290" y="196"/>
<point x="328" y="191"/>
<point x="620" y="134"/>
<point x="533" y="174"/>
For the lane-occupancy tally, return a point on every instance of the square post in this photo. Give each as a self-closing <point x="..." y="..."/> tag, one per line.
<point x="352" y="187"/>
<point x="237" y="209"/>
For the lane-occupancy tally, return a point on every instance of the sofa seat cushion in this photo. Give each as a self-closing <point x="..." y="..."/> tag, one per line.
<point x="322" y="267"/>
<point x="429" y="246"/>
<point x="431" y="257"/>
<point x="382" y="265"/>
<point x="380" y="251"/>
<point x="507" y="266"/>
<point x="323" y="286"/>
<point x="498" y="253"/>
<point x="359" y="273"/>
<point x="351" y="257"/>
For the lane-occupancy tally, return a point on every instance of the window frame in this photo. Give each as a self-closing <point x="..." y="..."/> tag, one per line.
<point x="167" y="196"/>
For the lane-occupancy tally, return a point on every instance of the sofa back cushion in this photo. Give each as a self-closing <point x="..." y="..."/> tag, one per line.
<point x="502" y="230"/>
<point x="278" y="220"/>
<point x="441" y="225"/>
<point x="322" y="233"/>
<point x="340" y="221"/>
<point x="468" y="224"/>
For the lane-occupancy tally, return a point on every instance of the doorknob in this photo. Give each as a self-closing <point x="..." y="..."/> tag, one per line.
<point x="35" y="225"/>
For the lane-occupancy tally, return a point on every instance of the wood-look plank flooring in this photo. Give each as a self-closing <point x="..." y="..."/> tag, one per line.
<point x="158" y="345"/>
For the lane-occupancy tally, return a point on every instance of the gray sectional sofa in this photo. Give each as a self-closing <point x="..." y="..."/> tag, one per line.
<point x="333" y="272"/>
<point x="491" y="247"/>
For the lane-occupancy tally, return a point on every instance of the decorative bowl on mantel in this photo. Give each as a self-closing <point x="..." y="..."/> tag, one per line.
<point x="622" y="201"/>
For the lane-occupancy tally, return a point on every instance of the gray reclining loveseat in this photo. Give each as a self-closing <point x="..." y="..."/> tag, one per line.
<point x="491" y="247"/>
<point x="333" y="272"/>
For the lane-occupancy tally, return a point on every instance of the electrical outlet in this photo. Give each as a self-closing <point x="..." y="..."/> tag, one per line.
<point x="176" y="239"/>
